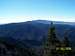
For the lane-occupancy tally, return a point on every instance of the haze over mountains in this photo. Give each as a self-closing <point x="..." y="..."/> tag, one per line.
<point x="33" y="33"/>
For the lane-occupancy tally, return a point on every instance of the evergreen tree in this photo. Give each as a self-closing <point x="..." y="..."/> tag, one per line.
<point x="67" y="45"/>
<point x="51" y="42"/>
<point x="66" y="41"/>
<point x="52" y="35"/>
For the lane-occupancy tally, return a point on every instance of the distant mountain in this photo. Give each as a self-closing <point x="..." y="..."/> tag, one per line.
<point x="33" y="33"/>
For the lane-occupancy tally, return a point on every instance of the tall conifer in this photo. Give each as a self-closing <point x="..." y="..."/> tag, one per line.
<point x="51" y="42"/>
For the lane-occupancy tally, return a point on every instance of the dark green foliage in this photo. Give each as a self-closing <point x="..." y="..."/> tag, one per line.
<point x="66" y="42"/>
<point x="52" y="41"/>
<point x="14" y="49"/>
<point x="52" y="35"/>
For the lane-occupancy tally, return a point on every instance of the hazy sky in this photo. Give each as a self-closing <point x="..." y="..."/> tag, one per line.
<point x="24" y="10"/>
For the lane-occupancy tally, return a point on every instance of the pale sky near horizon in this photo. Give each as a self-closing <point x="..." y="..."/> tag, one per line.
<point x="27" y="10"/>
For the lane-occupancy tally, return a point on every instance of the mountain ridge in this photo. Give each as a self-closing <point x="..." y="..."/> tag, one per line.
<point x="34" y="31"/>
